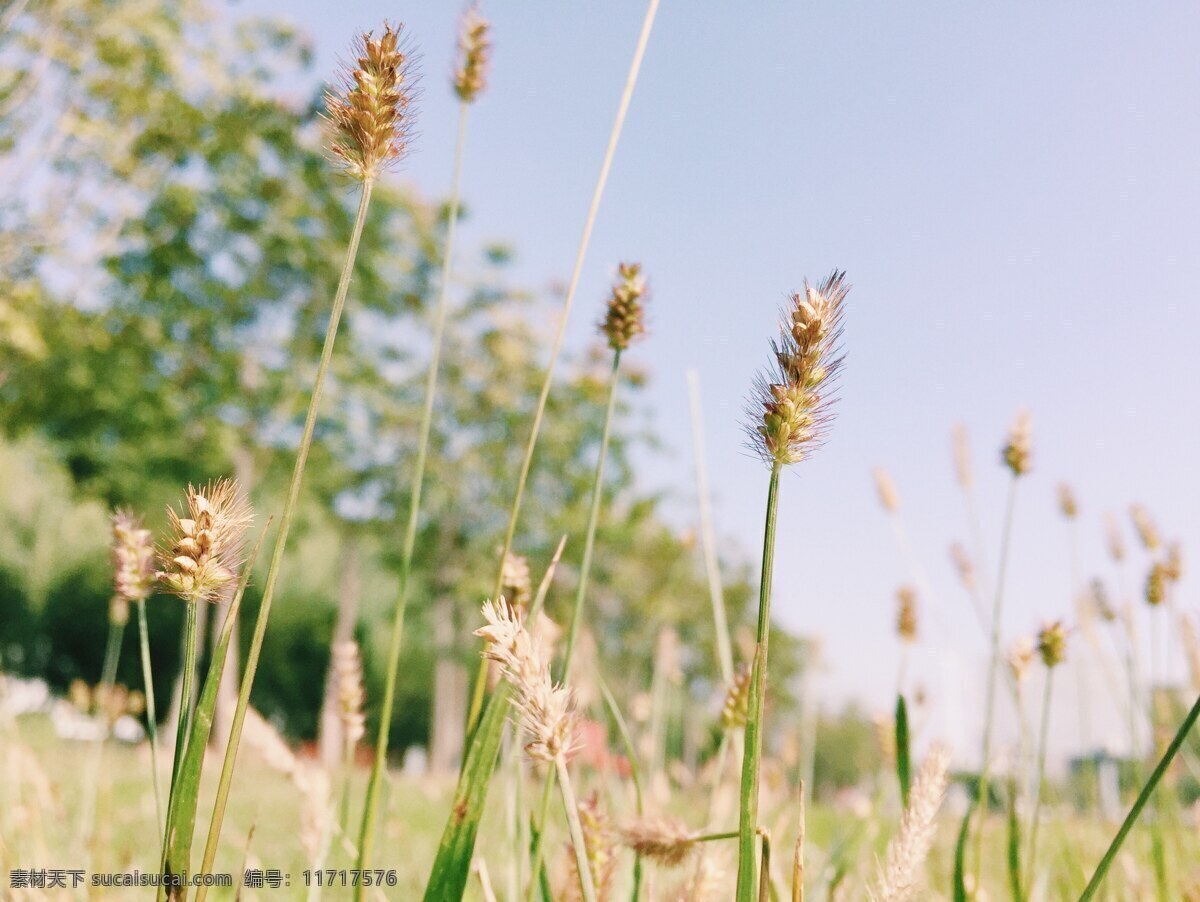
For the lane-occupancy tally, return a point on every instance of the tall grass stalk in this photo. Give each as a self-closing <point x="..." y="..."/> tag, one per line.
<point x="285" y="522"/>
<point x="366" y="839"/>
<point x="151" y="711"/>
<point x="185" y="696"/>
<point x="747" y="881"/>
<point x="476" y="708"/>
<point x="993" y="669"/>
<point x="571" y="807"/>
<point x="1143" y="798"/>
<point x="1039" y="780"/>
<point x="708" y="541"/>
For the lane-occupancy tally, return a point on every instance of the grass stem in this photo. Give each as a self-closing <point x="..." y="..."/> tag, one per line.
<point x="151" y="712"/>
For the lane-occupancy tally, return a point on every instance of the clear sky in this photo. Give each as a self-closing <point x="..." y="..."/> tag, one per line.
<point x="1014" y="194"/>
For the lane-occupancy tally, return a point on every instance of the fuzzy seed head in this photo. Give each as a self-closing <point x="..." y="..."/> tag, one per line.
<point x="792" y="410"/>
<point x="1173" y="562"/>
<point x="1147" y="531"/>
<point x="625" y="317"/>
<point x="474" y="52"/>
<point x="1052" y="643"/>
<point x="736" y="708"/>
<point x="1101" y="603"/>
<point x="599" y="840"/>
<point x="1156" y="584"/>
<point x="1066" y="501"/>
<point x="906" y="614"/>
<point x="516" y="583"/>
<point x="118" y="611"/>
<point x="889" y="497"/>
<point x="133" y="558"/>
<point x="348" y="676"/>
<point x="1020" y="657"/>
<point x="369" y="114"/>
<point x="908" y="849"/>
<point x="664" y="841"/>
<point x="963" y="566"/>
<point x="1017" y="452"/>
<point x="546" y="710"/>
<point x="207" y="542"/>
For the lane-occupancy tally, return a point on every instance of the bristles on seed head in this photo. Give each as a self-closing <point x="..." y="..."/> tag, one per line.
<point x="792" y="408"/>
<point x="906" y="853"/>
<point x="1052" y="643"/>
<point x="664" y="841"/>
<point x="625" y="316"/>
<point x="206" y="544"/>
<point x="889" y="497"/>
<point x="546" y="710"/>
<point x="1017" y="452"/>
<point x="474" y="50"/>
<point x="370" y="114"/>
<point x="133" y="557"/>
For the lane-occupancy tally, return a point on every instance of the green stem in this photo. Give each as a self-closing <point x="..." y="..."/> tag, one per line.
<point x="539" y="843"/>
<point x="1143" y="797"/>
<point x="993" y="668"/>
<point x="587" y="885"/>
<point x="185" y="694"/>
<point x="589" y="541"/>
<point x="366" y="839"/>
<point x="285" y="522"/>
<point x="609" y="154"/>
<point x="1043" y="733"/>
<point x="151" y="712"/>
<point x="747" y="883"/>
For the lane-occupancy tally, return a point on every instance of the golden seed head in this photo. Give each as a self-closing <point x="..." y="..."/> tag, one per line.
<point x="546" y="710"/>
<point x="369" y="115"/>
<point x="348" y="676"/>
<point x="963" y="565"/>
<point x="1144" y="525"/>
<point x="1020" y="656"/>
<point x="205" y="553"/>
<point x="1052" y="643"/>
<point x="475" y="50"/>
<point x="664" y="841"/>
<point x="516" y="583"/>
<point x="599" y="841"/>
<point x="1112" y="532"/>
<point x="906" y="613"/>
<point x="133" y="558"/>
<point x="736" y="708"/>
<point x="1018" y="450"/>
<point x="1066" y="501"/>
<point x="1156" y="584"/>
<point x="888" y="496"/>
<point x="625" y="317"/>
<point x="118" y="611"/>
<point x="792" y="410"/>
<point x="962" y="456"/>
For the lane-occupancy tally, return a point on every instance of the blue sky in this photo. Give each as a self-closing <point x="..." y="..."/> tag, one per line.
<point x="1014" y="195"/>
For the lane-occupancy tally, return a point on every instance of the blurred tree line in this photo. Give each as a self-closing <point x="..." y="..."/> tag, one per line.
<point x="170" y="237"/>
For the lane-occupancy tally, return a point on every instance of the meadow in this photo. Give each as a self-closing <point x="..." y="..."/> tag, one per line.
<point x="323" y="563"/>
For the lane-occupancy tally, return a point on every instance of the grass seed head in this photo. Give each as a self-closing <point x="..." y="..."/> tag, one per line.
<point x="906" y="614"/>
<point x="963" y="566"/>
<point x="736" y="708"/>
<point x="1067" y="503"/>
<point x="1156" y="584"/>
<point x="1112" y="535"/>
<point x="962" y="456"/>
<point x="664" y="841"/>
<point x="625" y="317"/>
<point x="1020" y="656"/>
<point x="599" y="841"/>
<point x="1052" y="643"/>
<point x="1017" y="452"/>
<point x="792" y="410"/>
<point x="908" y="849"/>
<point x="348" y="675"/>
<point x="206" y="543"/>
<point x="516" y="583"/>
<point x="133" y="558"/>
<point x="370" y="113"/>
<point x="474" y="54"/>
<point x="1147" y="531"/>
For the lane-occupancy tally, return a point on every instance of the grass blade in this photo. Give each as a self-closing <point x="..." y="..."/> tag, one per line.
<point x="903" y="752"/>
<point x="452" y="866"/>
<point x="960" y="851"/>
<point x="1014" y="846"/>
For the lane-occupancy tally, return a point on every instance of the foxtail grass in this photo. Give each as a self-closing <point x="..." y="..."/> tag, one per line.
<point x="786" y="420"/>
